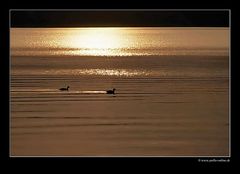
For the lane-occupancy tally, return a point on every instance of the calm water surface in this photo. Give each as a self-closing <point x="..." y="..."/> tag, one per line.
<point x="171" y="99"/>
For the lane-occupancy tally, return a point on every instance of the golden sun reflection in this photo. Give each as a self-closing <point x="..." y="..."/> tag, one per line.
<point x="95" y="41"/>
<point x="94" y="71"/>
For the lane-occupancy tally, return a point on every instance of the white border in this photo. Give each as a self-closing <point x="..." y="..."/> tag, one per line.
<point x="146" y="156"/>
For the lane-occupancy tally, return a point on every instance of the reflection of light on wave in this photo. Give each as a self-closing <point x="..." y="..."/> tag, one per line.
<point x="102" y="72"/>
<point x="55" y="91"/>
<point x="93" y="92"/>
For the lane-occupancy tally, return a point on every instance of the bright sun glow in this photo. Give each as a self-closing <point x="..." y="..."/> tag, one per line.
<point x="95" y="38"/>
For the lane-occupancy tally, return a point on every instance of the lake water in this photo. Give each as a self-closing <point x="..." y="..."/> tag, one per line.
<point x="172" y="92"/>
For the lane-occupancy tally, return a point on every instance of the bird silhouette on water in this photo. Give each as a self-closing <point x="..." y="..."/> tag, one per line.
<point x="111" y="91"/>
<point x="64" y="89"/>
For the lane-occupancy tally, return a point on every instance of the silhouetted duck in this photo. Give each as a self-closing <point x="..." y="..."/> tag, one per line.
<point x="111" y="91"/>
<point x="64" y="89"/>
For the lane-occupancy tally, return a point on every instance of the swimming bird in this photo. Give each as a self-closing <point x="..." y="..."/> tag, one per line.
<point x="64" y="89"/>
<point x="111" y="91"/>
